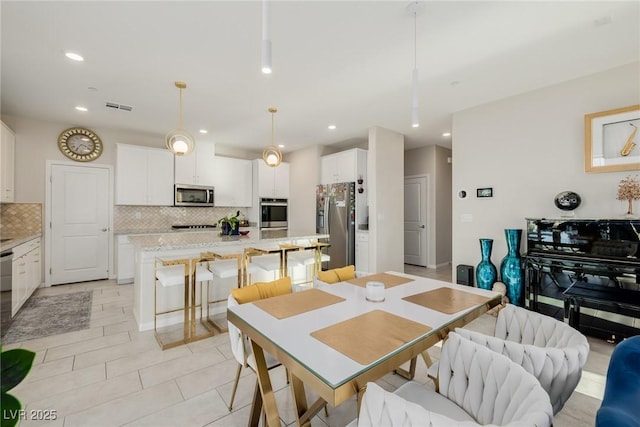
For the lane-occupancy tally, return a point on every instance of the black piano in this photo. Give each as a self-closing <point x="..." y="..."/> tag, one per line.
<point x="593" y="264"/>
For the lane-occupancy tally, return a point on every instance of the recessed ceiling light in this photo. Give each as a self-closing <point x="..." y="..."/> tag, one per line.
<point x="204" y="131"/>
<point x="446" y="134"/>
<point x="332" y="127"/>
<point x="280" y="145"/>
<point x="81" y="108"/>
<point x="74" y="56"/>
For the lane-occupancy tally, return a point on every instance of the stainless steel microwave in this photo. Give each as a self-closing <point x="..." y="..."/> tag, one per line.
<point x="193" y="195"/>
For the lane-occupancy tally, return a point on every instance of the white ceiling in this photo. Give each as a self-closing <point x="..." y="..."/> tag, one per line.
<point x="346" y="63"/>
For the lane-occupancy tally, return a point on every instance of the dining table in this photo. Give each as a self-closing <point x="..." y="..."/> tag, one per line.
<point x="334" y="340"/>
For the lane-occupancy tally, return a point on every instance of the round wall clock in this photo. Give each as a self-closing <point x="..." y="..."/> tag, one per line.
<point x="80" y="144"/>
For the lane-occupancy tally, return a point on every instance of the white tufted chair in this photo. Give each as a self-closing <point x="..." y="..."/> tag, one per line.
<point x="550" y="350"/>
<point x="477" y="387"/>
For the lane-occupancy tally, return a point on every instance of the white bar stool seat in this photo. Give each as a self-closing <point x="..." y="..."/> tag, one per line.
<point x="174" y="275"/>
<point x="224" y="269"/>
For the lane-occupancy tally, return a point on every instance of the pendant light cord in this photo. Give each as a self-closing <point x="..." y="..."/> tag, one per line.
<point x="415" y="40"/>
<point x="180" y="110"/>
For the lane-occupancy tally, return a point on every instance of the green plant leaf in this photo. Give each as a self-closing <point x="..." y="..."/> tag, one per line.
<point x="15" y="365"/>
<point x="10" y="410"/>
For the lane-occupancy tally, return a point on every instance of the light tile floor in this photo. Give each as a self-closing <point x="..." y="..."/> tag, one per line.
<point x="113" y="375"/>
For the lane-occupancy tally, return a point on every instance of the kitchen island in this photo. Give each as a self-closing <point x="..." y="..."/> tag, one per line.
<point x="189" y="245"/>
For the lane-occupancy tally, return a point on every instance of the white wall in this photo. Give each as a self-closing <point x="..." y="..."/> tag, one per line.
<point x="529" y="148"/>
<point x="305" y="176"/>
<point x="385" y="170"/>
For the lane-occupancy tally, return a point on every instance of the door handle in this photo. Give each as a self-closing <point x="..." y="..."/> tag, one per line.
<point x="422" y="226"/>
<point x="104" y="229"/>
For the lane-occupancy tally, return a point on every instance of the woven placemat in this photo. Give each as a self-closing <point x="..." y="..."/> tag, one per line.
<point x="368" y="337"/>
<point x="288" y="305"/>
<point x="447" y="300"/>
<point x="389" y="280"/>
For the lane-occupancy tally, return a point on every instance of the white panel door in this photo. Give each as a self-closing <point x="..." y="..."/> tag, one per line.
<point x="415" y="221"/>
<point x="79" y="223"/>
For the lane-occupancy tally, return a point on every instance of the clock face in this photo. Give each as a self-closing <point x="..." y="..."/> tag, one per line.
<point x="80" y="144"/>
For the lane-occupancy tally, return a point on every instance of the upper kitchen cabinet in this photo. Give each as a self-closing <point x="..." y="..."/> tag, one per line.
<point x="198" y="167"/>
<point x="7" y="157"/>
<point x="272" y="182"/>
<point x="233" y="182"/>
<point x="345" y="166"/>
<point x="144" y="176"/>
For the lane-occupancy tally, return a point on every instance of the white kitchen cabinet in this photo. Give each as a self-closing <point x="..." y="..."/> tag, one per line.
<point x="126" y="260"/>
<point x="338" y="167"/>
<point x="7" y="158"/>
<point x="26" y="273"/>
<point x="197" y="167"/>
<point x="344" y="166"/>
<point x="272" y="182"/>
<point x="362" y="251"/>
<point x="144" y="176"/>
<point x="233" y="182"/>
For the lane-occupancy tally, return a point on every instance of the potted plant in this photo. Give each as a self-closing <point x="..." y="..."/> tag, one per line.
<point x="229" y="225"/>
<point x="14" y="366"/>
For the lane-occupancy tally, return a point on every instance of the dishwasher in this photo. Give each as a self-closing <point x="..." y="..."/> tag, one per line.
<point x="6" y="260"/>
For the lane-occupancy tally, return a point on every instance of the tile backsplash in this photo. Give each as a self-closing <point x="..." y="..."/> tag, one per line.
<point x="20" y="219"/>
<point x="152" y="218"/>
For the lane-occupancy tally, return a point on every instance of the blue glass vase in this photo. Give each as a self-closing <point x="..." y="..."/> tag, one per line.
<point x="511" y="271"/>
<point x="486" y="273"/>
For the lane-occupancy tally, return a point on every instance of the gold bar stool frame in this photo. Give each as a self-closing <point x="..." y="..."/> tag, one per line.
<point x="223" y="264"/>
<point x="310" y="254"/>
<point x="185" y="272"/>
<point x="266" y="258"/>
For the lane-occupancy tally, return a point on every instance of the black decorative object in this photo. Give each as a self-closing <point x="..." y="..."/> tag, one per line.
<point x="567" y="200"/>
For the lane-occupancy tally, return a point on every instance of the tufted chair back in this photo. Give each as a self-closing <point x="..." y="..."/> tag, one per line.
<point x="477" y="387"/>
<point x="550" y="350"/>
<point x="488" y="386"/>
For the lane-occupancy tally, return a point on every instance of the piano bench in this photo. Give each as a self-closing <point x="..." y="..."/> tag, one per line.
<point x="622" y="301"/>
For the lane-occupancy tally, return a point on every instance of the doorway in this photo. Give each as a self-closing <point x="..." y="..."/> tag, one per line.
<point x="78" y="222"/>
<point x="415" y="220"/>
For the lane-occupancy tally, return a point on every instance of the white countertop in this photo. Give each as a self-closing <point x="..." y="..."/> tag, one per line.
<point x="17" y="240"/>
<point x="199" y="239"/>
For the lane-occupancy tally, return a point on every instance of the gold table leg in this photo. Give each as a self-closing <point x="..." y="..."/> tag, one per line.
<point x="268" y="399"/>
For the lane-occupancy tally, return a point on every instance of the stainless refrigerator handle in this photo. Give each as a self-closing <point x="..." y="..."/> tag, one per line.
<point x="327" y="216"/>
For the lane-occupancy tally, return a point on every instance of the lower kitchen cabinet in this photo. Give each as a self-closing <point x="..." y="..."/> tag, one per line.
<point x="26" y="273"/>
<point x="126" y="260"/>
<point x="362" y="251"/>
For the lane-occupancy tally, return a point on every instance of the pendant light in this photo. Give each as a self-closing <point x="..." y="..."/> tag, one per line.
<point x="179" y="141"/>
<point x="271" y="154"/>
<point x="415" y="105"/>
<point x="266" y="40"/>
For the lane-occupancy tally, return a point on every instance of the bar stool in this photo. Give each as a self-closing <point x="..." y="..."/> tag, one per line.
<point x="171" y="273"/>
<point x="265" y="258"/>
<point x="225" y="263"/>
<point x="309" y="255"/>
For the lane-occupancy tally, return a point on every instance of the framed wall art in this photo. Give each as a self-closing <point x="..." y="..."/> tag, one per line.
<point x="484" y="192"/>
<point x="612" y="140"/>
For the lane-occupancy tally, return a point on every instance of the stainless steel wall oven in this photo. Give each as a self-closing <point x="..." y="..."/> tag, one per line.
<point x="274" y="213"/>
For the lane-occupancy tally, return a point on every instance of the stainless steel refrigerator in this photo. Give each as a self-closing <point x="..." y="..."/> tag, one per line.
<point x="336" y="216"/>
